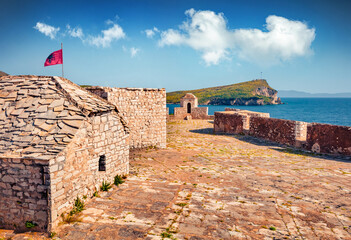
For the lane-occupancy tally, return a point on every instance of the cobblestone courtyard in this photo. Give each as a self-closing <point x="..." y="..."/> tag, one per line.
<point x="206" y="186"/>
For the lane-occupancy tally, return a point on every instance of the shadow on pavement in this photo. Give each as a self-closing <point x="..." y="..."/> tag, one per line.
<point x="275" y="146"/>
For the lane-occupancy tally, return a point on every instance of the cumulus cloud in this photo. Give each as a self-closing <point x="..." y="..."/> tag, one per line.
<point x="47" y="30"/>
<point x="151" y="32"/>
<point x="207" y="32"/>
<point x="134" y="51"/>
<point x="114" y="33"/>
<point x="76" y="32"/>
<point x="283" y="40"/>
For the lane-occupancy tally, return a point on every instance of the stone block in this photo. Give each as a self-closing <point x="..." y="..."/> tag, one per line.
<point x="8" y="179"/>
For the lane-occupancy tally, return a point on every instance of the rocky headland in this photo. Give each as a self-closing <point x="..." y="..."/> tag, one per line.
<point x="251" y="93"/>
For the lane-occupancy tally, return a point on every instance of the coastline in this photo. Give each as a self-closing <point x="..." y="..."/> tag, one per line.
<point x="335" y="111"/>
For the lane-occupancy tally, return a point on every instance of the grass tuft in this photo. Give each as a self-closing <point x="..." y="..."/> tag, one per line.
<point x="30" y="224"/>
<point x="105" y="186"/>
<point x="118" y="180"/>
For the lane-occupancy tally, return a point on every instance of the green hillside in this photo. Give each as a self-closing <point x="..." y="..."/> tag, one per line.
<point x="244" y="91"/>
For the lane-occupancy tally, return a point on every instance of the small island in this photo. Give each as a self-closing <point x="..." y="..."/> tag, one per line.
<point x="250" y="93"/>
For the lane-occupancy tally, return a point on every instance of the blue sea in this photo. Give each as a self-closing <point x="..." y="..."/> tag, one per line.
<point x="335" y="111"/>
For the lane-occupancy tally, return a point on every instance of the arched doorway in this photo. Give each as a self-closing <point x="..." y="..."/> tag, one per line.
<point x="189" y="107"/>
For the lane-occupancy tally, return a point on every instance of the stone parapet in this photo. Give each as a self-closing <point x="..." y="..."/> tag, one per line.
<point x="228" y="123"/>
<point x="249" y="113"/>
<point x="326" y="138"/>
<point x="315" y="137"/>
<point x="272" y="129"/>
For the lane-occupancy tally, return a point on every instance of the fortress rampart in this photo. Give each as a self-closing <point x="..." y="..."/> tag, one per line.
<point x="144" y="110"/>
<point x="315" y="137"/>
<point x="328" y="138"/>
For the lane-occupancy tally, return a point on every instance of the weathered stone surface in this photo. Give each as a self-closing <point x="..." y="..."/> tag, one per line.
<point x="222" y="187"/>
<point x="228" y="123"/>
<point x="315" y="137"/>
<point x="144" y="111"/>
<point x="19" y="198"/>
<point x="49" y="100"/>
<point x="76" y="168"/>
<point x="50" y="147"/>
<point x="325" y="138"/>
<point x="277" y="130"/>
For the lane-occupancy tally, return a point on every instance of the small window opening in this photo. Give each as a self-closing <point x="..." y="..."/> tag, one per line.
<point x="189" y="107"/>
<point x="102" y="163"/>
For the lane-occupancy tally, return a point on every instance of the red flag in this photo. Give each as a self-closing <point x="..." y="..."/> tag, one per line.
<point x="54" y="58"/>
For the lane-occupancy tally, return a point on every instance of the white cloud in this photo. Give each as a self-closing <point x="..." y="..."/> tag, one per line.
<point x="47" y="30"/>
<point x="134" y="51"/>
<point x="151" y="32"/>
<point x="75" y="32"/>
<point x="207" y="32"/>
<point x="283" y="40"/>
<point x="114" y="33"/>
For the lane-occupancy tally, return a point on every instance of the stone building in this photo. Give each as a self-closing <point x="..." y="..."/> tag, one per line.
<point x="189" y="101"/>
<point x="57" y="141"/>
<point x="189" y="108"/>
<point x="144" y="110"/>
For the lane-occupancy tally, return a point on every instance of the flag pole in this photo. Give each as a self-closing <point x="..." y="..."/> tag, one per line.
<point x="62" y="60"/>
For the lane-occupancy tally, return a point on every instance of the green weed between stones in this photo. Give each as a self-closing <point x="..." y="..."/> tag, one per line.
<point x="181" y="204"/>
<point x="30" y="224"/>
<point x="118" y="180"/>
<point x="52" y="234"/>
<point x="167" y="235"/>
<point x="77" y="207"/>
<point x="72" y="216"/>
<point x="105" y="186"/>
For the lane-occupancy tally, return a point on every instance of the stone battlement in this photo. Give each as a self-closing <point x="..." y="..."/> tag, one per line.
<point x="315" y="137"/>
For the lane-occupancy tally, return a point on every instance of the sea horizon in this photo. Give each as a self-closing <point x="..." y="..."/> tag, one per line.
<point x="335" y="111"/>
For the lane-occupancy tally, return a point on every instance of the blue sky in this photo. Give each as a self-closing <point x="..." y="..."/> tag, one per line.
<point x="297" y="45"/>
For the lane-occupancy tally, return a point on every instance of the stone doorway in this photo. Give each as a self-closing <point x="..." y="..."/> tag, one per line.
<point x="189" y="107"/>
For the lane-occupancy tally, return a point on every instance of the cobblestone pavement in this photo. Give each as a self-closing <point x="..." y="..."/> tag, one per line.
<point x="206" y="186"/>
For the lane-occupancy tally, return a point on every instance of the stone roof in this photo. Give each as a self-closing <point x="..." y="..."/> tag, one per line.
<point x="40" y="115"/>
<point x="189" y="96"/>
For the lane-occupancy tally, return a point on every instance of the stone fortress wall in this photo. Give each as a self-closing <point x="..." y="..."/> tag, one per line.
<point x="76" y="170"/>
<point x="23" y="189"/>
<point x="144" y="110"/>
<point x="315" y="137"/>
<point x="40" y="191"/>
<point x="57" y="142"/>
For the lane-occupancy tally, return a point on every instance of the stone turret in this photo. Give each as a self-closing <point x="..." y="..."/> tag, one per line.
<point x="189" y="101"/>
<point x="189" y="108"/>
